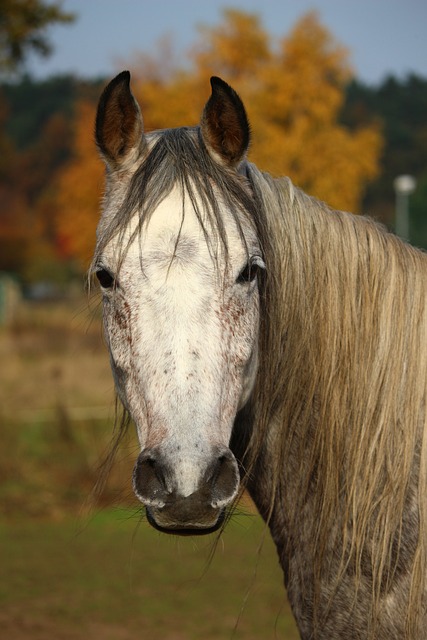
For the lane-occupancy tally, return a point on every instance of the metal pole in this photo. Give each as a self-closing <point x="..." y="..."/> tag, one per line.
<point x="403" y="186"/>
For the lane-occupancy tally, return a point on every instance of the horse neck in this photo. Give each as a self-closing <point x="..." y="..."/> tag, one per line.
<point x="341" y="390"/>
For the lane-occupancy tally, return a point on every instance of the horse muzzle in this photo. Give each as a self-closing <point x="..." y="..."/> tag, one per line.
<point x="175" y="504"/>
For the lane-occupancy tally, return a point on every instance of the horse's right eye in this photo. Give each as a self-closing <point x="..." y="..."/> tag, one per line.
<point x="251" y="270"/>
<point x="105" y="279"/>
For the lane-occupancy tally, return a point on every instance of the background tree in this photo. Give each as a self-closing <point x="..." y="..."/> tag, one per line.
<point x="38" y="142"/>
<point x="401" y="107"/>
<point x="293" y="90"/>
<point x="15" y="236"/>
<point x="418" y="212"/>
<point x="79" y="186"/>
<point x="296" y="111"/>
<point x="23" y="29"/>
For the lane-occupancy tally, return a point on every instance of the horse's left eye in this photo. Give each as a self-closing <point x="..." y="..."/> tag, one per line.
<point x="250" y="271"/>
<point x="105" y="279"/>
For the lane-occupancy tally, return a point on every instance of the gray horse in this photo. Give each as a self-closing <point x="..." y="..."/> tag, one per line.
<point x="262" y="341"/>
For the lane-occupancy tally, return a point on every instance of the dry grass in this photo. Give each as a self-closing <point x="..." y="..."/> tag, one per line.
<point x="54" y="353"/>
<point x="56" y="410"/>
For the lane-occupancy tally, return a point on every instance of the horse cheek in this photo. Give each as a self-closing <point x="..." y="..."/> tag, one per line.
<point x="240" y="353"/>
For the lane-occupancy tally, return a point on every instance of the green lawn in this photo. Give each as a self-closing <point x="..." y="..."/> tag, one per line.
<point x="116" y="578"/>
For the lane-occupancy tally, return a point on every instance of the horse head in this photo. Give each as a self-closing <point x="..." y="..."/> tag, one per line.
<point x="178" y="261"/>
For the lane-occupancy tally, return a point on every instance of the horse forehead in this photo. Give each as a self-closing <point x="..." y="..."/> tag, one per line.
<point x="174" y="227"/>
<point x="174" y="230"/>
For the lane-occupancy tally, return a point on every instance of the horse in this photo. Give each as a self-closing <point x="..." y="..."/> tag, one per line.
<point x="262" y="341"/>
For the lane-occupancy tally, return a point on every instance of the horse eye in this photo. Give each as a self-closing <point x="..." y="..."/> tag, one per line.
<point x="250" y="271"/>
<point x="105" y="279"/>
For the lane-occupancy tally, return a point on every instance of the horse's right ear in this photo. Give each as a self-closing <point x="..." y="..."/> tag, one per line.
<point x="119" y="126"/>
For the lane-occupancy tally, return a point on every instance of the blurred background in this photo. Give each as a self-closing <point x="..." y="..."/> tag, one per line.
<point x="337" y="97"/>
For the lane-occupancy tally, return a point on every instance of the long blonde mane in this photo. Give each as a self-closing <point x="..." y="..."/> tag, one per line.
<point x="342" y="376"/>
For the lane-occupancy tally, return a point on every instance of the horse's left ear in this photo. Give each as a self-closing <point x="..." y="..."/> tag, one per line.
<point x="119" y="126"/>
<point x="224" y="124"/>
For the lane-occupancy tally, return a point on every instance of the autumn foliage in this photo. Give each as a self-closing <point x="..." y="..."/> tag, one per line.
<point x="293" y="93"/>
<point x="293" y="90"/>
<point x="79" y="188"/>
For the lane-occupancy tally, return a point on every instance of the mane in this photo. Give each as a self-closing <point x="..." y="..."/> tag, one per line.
<point x="342" y="385"/>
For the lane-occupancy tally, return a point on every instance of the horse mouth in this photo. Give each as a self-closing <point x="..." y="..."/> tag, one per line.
<point x="200" y="528"/>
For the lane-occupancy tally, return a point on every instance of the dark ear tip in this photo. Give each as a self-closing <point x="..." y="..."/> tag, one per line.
<point x="216" y="80"/>
<point x="218" y="84"/>
<point x="122" y="77"/>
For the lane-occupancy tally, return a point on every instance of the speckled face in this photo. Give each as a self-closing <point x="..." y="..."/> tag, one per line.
<point x="181" y="313"/>
<point x="182" y="331"/>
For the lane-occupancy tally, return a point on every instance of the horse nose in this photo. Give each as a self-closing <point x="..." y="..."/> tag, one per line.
<point x="176" y="502"/>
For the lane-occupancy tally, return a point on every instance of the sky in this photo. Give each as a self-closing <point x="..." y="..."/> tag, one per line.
<point x="383" y="36"/>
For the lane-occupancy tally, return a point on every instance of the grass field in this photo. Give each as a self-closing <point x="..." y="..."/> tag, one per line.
<point x="109" y="576"/>
<point x="119" y="580"/>
<point x="54" y="368"/>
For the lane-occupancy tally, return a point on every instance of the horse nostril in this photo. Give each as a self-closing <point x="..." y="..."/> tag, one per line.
<point x="223" y="479"/>
<point x="149" y="481"/>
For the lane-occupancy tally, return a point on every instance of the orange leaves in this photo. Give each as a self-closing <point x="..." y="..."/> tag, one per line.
<point x="79" y="192"/>
<point x="295" y="118"/>
<point x="236" y="49"/>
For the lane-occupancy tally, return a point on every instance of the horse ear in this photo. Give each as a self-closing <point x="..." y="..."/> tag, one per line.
<point x="224" y="124"/>
<point x="118" y="126"/>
